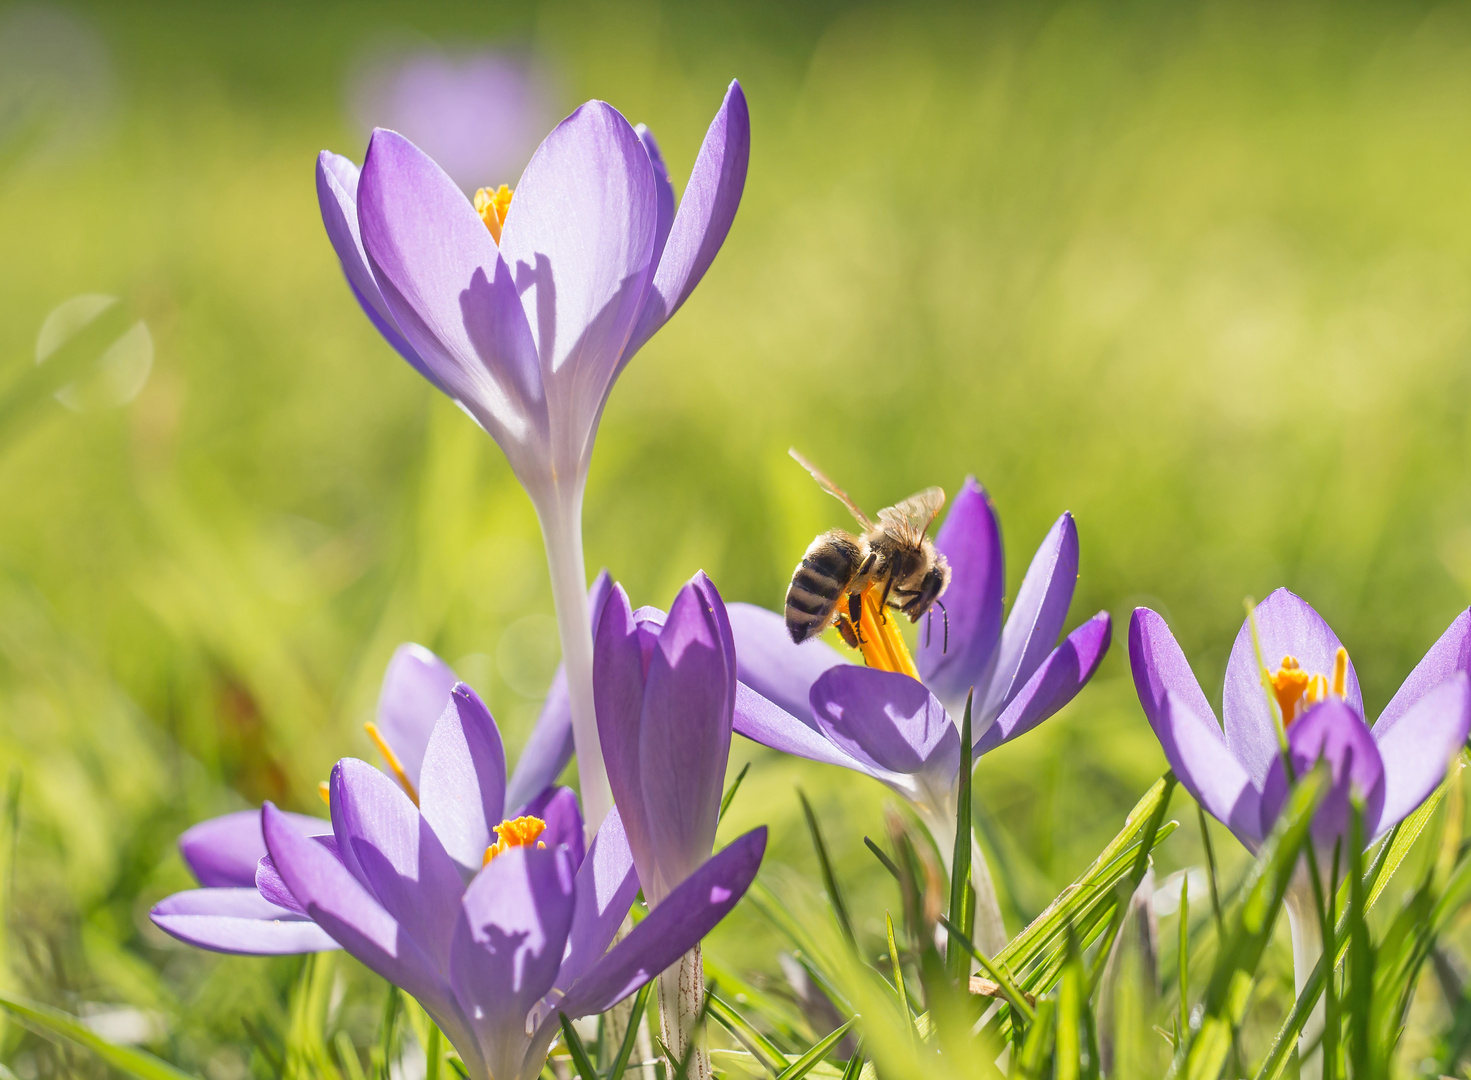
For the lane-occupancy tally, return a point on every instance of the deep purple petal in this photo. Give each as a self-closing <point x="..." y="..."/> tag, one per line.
<point x="273" y="889"/>
<point x="1052" y="685"/>
<point x="766" y="723"/>
<point x="222" y="852"/>
<point x="1450" y="655"/>
<point x="238" y="921"/>
<point x="1160" y="668"/>
<point x="704" y="217"/>
<point x="673" y="928"/>
<point x="1287" y="626"/>
<point x="970" y="540"/>
<point x="888" y="721"/>
<point x="1038" y="615"/>
<point x="402" y="861"/>
<point x="770" y="663"/>
<point x="1333" y="731"/>
<point x="557" y="806"/>
<point x="462" y="789"/>
<point x="1420" y="744"/>
<point x="450" y="293"/>
<point x="416" y="688"/>
<point x="664" y="190"/>
<point x="606" y="887"/>
<point x="618" y="701"/>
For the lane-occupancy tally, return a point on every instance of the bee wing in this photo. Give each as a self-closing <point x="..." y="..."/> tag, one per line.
<point x="910" y="520"/>
<point x="837" y="492"/>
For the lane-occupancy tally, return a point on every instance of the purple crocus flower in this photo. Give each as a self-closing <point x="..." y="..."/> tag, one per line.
<point x="524" y="310"/>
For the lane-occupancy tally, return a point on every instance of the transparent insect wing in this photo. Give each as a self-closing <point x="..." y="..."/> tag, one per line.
<point x="835" y="491"/>
<point x="909" y="520"/>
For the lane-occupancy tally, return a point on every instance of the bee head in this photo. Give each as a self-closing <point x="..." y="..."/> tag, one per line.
<point x="934" y="582"/>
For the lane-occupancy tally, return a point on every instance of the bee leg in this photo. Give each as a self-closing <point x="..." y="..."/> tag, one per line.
<point x="849" y="631"/>
<point x="855" y="608"/>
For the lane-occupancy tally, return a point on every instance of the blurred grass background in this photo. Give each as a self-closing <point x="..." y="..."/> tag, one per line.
<point x="1199" y="273"/>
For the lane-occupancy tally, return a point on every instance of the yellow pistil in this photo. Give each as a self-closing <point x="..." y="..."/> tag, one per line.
<point x="392" y="760"/>
<point x="516" y="832"/>
<point x="879" y="639"/>
<point x="324" y="789"/>
<point x="1296" y="689"/>
<point x="492" y="204"/>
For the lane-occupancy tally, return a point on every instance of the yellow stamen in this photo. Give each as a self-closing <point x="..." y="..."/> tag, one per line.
<point x="392" y="760"/>
<point x="492" y="204"/>
<point x="325" y="791"/>
<point x="515" y="832"/>
<point x="879" y="639"/>
<point x="1340" y="672"/>
<point x="1296" y="689"/>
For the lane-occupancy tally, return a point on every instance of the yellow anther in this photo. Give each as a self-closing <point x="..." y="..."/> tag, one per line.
<point x="879" y="638"/>
<point x="1296" y="689"/>
<point x="1340" y="672"/>
<point x="516" y="832"/>
<point x="325" y="791"/>
<point x="392" y="760"/>
<point x="492" y="204"/>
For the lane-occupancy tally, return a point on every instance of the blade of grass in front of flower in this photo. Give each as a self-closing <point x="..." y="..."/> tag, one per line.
<point x="1002" y="978"/>
<point x="580" y="1061"/>
<point x="347" y="1056"/>
<point x="883" y="858"/>
<point x="64" y="1029"/>
<point x="730" y="792"/>
<point x="630" y="1034"/>
<point x="897" y="969"/>
<point x="1359" y="988"/>
<point x="957" y="957"/>
<point x="761" y="1048"/>
<point x="829" y="879"/>
<point x="1031" y="1063"/>
<point x="854" y="1068"/>
<point x="1210" y="871"/>
<point x="1071" y="1000"/>
<point x="263" y="1045"/>
<point x="1184" y="954"/>
<point x="819" y="1050"/>
<point x="1148" y="840"/>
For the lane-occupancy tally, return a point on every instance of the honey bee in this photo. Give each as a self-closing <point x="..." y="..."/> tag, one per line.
<point x="895" y="553"/>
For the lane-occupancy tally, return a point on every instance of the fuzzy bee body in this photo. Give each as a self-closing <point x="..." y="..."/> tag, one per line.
<point x="826" y="574"/>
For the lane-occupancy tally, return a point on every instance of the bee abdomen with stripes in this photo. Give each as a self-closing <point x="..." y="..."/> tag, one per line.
<point x="822" y="579"/>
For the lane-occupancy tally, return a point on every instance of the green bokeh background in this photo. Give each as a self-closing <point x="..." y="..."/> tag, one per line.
<point x="1198" y="273"/>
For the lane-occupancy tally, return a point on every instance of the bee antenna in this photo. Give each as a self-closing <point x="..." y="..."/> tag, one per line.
<point x="945" y="646"/>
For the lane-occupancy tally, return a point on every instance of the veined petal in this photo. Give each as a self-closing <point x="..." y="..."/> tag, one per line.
<point x="1335" y="732"/>
<point x="771" y="664"/>
<point x="222" y="852"/>
<point x="1196" y="750"/>
<point x="970" y="540"/>
<point x="1287" y="626"/>
<point x="238" y="921"/>
<point x="451" y="294"/>
<point x="664" y="190"/>
<point x="416" y="688"/>
<point x="618" y="701"/>
<point x="1065" y="671"/>
<point x="888" y="721"/>
<point x="1160" y="668"/>
<point x="770" y="725"/>
<point x="273" y="888"/>
<point x="1420" y="744"/>
<point x="1450" y="655"/>
<point x="704" y="217"/>
<point x="606" y="887"/>
<point x="462" y="790"/>
<point x="671" y="929"/>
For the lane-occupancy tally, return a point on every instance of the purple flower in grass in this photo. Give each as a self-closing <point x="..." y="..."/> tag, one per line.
<point x="524" y="307"/>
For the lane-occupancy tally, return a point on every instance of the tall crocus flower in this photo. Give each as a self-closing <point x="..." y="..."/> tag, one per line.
<point x="665" y="689"/>
<point x="895" y="719"/>
<point x="525" y="309"/>
<point x="494" y="925"/>
<point x="1296" y="686"/>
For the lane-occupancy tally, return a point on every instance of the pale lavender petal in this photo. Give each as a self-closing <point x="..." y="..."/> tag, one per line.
<point x="1196" y="750"/>
<point x="270" y="886"/>
<point x="606" y="887"/>
<point x="1335" y="732"/>
<point x="1287" y="626"/>
<point x="222" y="852"/>
<point x="462" y="788"/>
<point x="673" y="928"/>
<point x="1450" y="655"/>
<point x="557" y="806"/>
<point x="970" y="540"/>
<point x="663" y="187"/>
<point x="451" y="294"/>
<point x="402" y="861"/>
<point x="1038" y="615"/>
<point x="416" y="688"/>
<point x="761" y="721"/>
<point x="1419" y="746"/>
<point x="579" y="236"/>
<point x="1160" y="668"/>
<point x="238" y="921"/>
<point x="1052" y="685"/>
<point x="888" y="721"/>
<point x="704" y="217"/>
<point x="618" y="701"/>
<point x="770" y="663"/>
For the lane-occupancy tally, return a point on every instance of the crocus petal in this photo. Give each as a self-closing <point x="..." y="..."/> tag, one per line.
<point x="606" y="887"/>
<point x="764" y="722"/>
<point x="888" y="721"/>
<point x="1196" y="750"/>
<point x="770" y="663"/>
<point x="222" y="852"/>
<point x="557" y="806"/>
<point x="579" y="236"/>
<point x="664" y="190"/>
<point x="451" y="294"/>
<point x="970" y="540"/>
<point x="1160" y="668"/>
<point x="462" y="789"/>
<point x="673" y="928"/>
<point x="508" y="946"/>
<point x="402" y="861"/>
<point x="1447" y="657"/>
<point x="271" y="888"/>
<point x="416" y="688"/>
<point x="1038" y="614"/>
<point x="1054" y="684"/>
<point x="238" y="921"/>
<point x="337" y="195"/>
<point x="1335" y="732"/>
<point x="618" y="702"/>
<point x="1287" y="626"/>
<point x="704" y="217"/>
<point x="1419" y="745"/>
<point x="684" y="734"/>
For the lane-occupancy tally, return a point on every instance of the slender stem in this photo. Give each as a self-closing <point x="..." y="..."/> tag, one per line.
<point x="1307" y="947"/>
<point x="561" y="530"/>
<point x="681" y="1001"/>
<point x="990" y="930"/>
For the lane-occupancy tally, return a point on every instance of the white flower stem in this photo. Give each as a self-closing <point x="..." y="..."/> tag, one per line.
<point x="681" y="996"/>
<point x="561" y="530"/>
<point x="1307" y="948"/>
<point x="990" y="929"/>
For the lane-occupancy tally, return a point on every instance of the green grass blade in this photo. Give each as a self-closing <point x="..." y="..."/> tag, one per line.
<point x="347" y="1056"/>
<point x="883" y="858"/>
<point x="898" y="971"/>
<point x="761" y="1048"/>
<point x="630" y="1036"/>
<point x="829" y="879"/>
<point x="804" y="1064"/>
<point x="1184" y="956"/>
<point x="65" y="1029"/>
<point x="1210" y="871"/>
<point x="956" y="957"/>
<point x="1032" y="1061"/>
<point x="580" y="1060"/>
<point x="730" y="792"/>
<point x="854" y="1068"/>
<point x="1014" y="996"/>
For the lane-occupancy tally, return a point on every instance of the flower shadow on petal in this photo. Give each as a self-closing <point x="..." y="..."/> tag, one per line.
<point x="887" y="720"/>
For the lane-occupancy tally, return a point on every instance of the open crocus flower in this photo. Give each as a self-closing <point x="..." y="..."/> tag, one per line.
<point x="897" y="720"/>
<point x="524" y="307"/>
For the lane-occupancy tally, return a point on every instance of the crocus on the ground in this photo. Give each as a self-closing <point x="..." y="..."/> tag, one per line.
<point x="897" y="720"/>
<point x="524" y="306"/>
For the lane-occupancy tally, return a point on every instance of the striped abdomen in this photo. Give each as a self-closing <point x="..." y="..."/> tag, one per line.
<point x="820" y="581"/>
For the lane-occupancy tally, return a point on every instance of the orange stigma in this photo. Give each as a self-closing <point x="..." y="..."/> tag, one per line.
<point x="391" y="759"/>
<point x="516" y="832"/>
<point x="492" y="204"/>
<point x="879" y="639"/>
<point x="1296" y="690"/>
<point x="324" y="789"/>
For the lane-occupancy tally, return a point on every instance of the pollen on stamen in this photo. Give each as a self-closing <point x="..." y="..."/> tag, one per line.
<point x="516" y="832"/>
<point x="880" y="642"/>
<point x="492" y="204"/>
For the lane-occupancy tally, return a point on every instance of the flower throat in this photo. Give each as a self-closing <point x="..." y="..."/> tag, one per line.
<point x="1296" y="690"/>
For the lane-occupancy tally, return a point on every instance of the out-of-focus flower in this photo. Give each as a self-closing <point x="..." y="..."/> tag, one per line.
<point x="112" y="370"/>
<point x="524" y="308"/>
